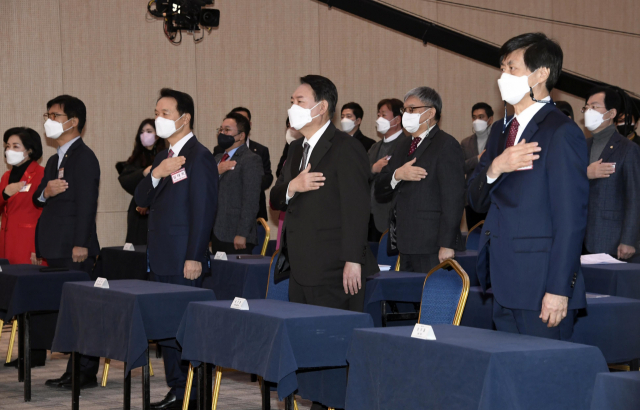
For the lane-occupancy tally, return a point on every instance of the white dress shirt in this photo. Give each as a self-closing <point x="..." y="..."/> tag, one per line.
<point x="312" y="143"/>
<point x="523" y="120"/>
<point x="423" y="136"/>
<point x="176" y="152"/>
<point x="392" y="137"/>
<point x="61" y="153"/>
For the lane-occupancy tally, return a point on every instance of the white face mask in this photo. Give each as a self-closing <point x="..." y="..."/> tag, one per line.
<point x="14" y="157"/>
<point x="347" y="124"/>
<point x="383" y="125"/>
<point x="53" y="129"/>
<point x="166" y="127"/>
<point x="593" y="119"/>
<point x="299" y="117"/>
<point x="479" y="125"/>
<point x="411" y="122"/>
<point x="512" y="88"/>
<point x="289" y="136"/>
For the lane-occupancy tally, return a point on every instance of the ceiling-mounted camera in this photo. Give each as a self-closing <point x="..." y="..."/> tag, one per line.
<point x="189" y="15"/>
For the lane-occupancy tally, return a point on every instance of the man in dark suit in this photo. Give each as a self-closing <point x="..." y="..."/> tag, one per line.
<point x="532" y="181"/>
<point x="473" y="148"/>
<point x="263" y="152"/>
<point x="181" y="192"/>
<point x="614" y="173"/>
<point x="350" y="121"/>
<point x="68" y="193"/>
<point x="324" y="189"/>
<point x="427" y="173"/>
<point x="240" y="171"/>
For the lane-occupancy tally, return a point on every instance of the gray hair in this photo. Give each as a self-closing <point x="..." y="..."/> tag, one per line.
<point x="428" y="96"/>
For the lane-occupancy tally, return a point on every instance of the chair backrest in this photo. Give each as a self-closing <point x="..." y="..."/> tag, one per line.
<point x="473" y="237"/>
<point x="280" y="290"/>
<point x="383" y="257"/>
<point x="444" y="294"/>
<point x="263" y="232"/>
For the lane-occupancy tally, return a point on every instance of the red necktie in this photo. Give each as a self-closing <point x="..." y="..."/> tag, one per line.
<point x="513" y="132"/>
<point x="224" y="157"/>
<point x="414" y="145"/>
<point x="170" y="154"/>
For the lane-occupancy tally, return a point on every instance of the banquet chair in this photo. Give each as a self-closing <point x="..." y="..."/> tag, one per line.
<point x="105" y="371"/>
<point x="263" y="233"/>
<point x="473" y="237"/>
<point x="12" y="338"/>
<point x="444" y="294"/>
<point x="383" y="257"/>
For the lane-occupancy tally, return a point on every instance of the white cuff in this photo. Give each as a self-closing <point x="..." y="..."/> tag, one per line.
<point x="491" y="180"/>
<point x="154" y="181"/>
<point x="394" y="181"/>
<point x="287" y="195"/>
<point x="42" y="198"/>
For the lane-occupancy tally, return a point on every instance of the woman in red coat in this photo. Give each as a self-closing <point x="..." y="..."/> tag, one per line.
<point x="23" y="148"/>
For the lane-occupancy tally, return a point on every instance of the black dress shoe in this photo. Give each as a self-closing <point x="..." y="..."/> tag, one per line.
<point x="38" y="359"/>
<point x="169" y="402"/>
<point x="86" y="382"/>
<point x="66" y="377"/>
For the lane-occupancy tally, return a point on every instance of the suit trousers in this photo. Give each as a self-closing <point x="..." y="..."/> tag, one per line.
<point x="421" y="263"/>
<point x="528" y="322"/>
<point x="175" y="368"/>
<point x="88" y="364"/>
<point x="332" y="296"/>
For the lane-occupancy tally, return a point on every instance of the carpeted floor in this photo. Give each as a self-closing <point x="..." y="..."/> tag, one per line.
<point x="236" y="392"/>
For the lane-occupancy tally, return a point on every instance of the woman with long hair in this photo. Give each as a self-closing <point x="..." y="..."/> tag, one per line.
<point x="132" y="171"/>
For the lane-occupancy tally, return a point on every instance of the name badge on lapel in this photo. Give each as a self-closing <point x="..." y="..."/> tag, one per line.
<point x="179" y="175"/>
<point x="25" y="188"/>
<point x="61" y="173"/>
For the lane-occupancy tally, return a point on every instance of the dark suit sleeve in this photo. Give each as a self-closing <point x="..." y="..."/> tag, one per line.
<point x="130" y="178"/>
<point x="267" y="175"/>
<point x="383" y="191"/>
<point x="283" y="158"/>
<point x="470" y="164"/>
<point x="251" y="177"/>
<point x="355" y="206"/>
<point x="43" y="183"/>
<point x="145" y="190"/>
<point x="278" y="195"/>
<point x="86" y="199"/>
<point x="478" y="190"/>
<point x="203" y="202"/>
<point x="631" y="177"/>
<point x="450" y="174"/>
<point x="566" y="168"/>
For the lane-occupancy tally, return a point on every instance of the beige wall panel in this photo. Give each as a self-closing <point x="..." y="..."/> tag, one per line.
<point x="368" y="62"/>
<point x="31" y="65"/>
<point x="112" y="227"/>
<point x="116" y="60"/>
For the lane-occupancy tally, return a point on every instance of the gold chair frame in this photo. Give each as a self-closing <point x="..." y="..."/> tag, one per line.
<point x="476" y="226"/>
<point x="273" y="258"/>
<point x="462" y="301"/>
<point x="12" y="338"/>
<point x="267" y="235"/>
<point x="105" y="371"/>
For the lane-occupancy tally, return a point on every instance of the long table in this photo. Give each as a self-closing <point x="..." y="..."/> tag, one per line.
<point x="246" y="278"/>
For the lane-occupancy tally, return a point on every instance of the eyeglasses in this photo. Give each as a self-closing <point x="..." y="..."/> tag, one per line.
<point x="410" y="110"/>
<point x="52" y="116"/>
<point x="226" y="131"/>
<point x="590" y="107"/>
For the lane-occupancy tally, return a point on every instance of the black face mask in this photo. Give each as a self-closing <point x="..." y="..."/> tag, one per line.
<point x="225" y="141"/>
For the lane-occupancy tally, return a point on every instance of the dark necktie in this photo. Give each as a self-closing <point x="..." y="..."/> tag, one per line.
<point x="513" y="132"/>
<point x="414" y="145"/>
<point x="305" y="154"/>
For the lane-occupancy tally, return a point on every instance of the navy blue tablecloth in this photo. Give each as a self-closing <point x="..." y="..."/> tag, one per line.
<point x="245" y="278"/>
<point x="114" y="263"/>
<point x="609" y="323"/>
<point x="119" y="322"/>
<point x="619" y="391"/>
<point x="23" y="288"/>
<point x="618" y="279"/>
<point x="391" y="286"/>
<point x="275" y="339"/>
<point x="467" y="261"/>
<point x="468" y="368"/>
<point x="4" y="262"/>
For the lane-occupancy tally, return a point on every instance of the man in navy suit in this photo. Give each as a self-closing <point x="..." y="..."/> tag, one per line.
<point x="532" y="181"/>
<point x="181" y="191"/>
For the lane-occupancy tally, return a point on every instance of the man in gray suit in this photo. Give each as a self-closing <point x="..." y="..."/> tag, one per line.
<point x="234" y="231"/>
<point x="473" y="148"/>
<point x="389" y="126"/>
<point x="613" y="218"/>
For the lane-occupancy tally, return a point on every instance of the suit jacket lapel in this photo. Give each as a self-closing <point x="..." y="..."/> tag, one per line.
<point x="296" y="159"/>
<point x="30" y="172"/>
<point x="235" y="157"/>
<point x="69" y="152"/>
<point x="611" y="146"/>
<point x="321" y="148"/>
<point x="184" y="152"/>
<point x="424" y="144"/>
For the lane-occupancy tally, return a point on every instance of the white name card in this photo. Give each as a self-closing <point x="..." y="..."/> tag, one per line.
<point x="424" y="332"/>
<point x="128" y="247"/>
<point x="221" y="256"/>
<point x="240" y="304"/>
<point x="101" y="283"/>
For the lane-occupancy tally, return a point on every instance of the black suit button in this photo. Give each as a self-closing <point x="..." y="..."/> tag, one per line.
<point x="487" y="233"/>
